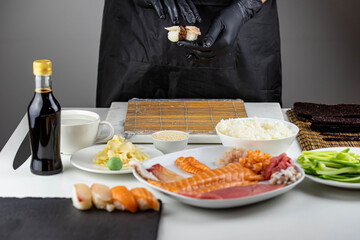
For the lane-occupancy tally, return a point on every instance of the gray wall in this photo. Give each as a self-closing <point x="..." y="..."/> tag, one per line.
<point x="320" y="52"/>
<point x="320" y="44"/>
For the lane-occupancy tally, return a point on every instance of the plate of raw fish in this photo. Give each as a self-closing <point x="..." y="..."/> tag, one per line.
<point x="219" y="177"/>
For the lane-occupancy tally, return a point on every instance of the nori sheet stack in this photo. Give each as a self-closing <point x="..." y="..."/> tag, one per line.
<point x="336" y="118"/>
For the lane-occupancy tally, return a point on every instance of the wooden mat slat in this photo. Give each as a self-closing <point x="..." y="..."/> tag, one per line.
<point x="310" y="140"/>
<point x="194" y="116"/>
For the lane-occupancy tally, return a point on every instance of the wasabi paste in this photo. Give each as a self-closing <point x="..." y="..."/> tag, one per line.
<point x="114" y="163"/>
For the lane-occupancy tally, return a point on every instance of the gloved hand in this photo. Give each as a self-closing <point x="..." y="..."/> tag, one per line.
<point x="223" y="31"/>
<point x="187" y="9"/>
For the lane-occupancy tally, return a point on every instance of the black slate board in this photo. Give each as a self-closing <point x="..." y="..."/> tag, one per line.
<point x="56" y="218"/>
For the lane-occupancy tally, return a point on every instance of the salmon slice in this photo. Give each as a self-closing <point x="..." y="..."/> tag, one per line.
<point x="123" y="199"/>
<point x="164" y="174"/>
<point x="231" y="173"/>
<point x="218" y="186"/>
<point x="191" y="165"/>
<point x="145" y="199"/>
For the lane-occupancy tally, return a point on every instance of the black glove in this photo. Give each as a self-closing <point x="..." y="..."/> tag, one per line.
<point x="187" y="9"/>
<point x="223" y="31"/>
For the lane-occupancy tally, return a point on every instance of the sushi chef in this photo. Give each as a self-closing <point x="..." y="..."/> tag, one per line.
<point x="237" y="55"/>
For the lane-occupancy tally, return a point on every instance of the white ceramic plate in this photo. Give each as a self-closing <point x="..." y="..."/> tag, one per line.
<point x="83" y="159"/>
<point x="332" y="182"/>
<point x="207" y="155"/>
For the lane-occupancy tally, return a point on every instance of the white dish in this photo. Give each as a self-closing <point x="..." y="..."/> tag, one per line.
<point x="83" y="159"/>
<point x="333" y="183"/>
<point x="272" y="146"/>
<point x="169" y="146"/>
<point x="207" y="155"/>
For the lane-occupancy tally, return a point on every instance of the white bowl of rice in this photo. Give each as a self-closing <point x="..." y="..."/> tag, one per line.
<point x="266" y="134"/>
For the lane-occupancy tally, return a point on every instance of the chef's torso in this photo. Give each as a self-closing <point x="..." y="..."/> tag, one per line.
<point x="137" y="60"/>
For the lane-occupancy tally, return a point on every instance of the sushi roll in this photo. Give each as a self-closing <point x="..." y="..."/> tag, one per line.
<point x="123" y="199"/>
<point x="101" y="197"/>
<point x="145" y="199"/>
<point x="81" y="197"/>
<point x="180" y="33"/>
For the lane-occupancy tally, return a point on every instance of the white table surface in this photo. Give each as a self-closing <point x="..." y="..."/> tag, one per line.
<point x="310" y="211"/>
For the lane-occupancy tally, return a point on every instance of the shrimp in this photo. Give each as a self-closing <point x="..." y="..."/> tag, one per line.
<point x="191" y="165"/>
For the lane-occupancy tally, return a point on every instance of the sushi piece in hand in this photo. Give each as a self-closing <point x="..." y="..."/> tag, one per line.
<point x="180" y="33"/>
<point x="101" y="197"/>
<point x="81" y="196"/>
<point x="145" y="199"/>
<point x="123" y="199"/>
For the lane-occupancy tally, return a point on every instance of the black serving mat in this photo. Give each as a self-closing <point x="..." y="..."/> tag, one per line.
<point x="56" y="218"/>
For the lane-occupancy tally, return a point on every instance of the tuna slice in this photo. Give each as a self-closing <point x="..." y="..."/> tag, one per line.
<point x="276" y="164"/>
<point x="235" y="192"/>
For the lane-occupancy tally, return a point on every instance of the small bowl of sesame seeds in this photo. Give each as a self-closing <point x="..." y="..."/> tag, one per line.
<point x="169" y="141"/>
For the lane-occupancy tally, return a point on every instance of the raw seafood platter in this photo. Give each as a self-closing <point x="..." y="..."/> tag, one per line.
<point x="219" y="177"/>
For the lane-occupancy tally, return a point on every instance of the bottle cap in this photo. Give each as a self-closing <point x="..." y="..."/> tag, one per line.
<point x="42" y="67"/>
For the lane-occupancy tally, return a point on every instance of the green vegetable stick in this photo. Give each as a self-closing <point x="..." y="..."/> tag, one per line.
<point x="339" y="166"/>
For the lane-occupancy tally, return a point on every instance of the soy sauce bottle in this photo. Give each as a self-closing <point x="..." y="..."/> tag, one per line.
<point x="44" y="123"/>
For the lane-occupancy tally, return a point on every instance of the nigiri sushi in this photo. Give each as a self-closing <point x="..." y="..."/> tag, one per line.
<point x="123" y="199"/>
<point x="145" y="199"/>
<point x="101" y="197"/>
<point x="81" y="196"/>
<point x="179" y="33"/>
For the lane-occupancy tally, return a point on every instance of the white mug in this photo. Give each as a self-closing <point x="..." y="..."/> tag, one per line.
<point x="79" y="129"/>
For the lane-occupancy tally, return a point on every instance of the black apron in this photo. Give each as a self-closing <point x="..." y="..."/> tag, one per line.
<point x="137" y="60"/>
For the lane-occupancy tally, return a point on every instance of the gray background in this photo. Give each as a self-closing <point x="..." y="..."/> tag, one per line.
<point x="320" y="44"/>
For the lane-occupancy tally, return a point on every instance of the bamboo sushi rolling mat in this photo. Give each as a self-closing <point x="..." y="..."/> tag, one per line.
<point x="310" y="140"/>
<point x="193" y="116"/>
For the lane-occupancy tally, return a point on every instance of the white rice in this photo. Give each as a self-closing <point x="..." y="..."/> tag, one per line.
<point x="253" y="129"/>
